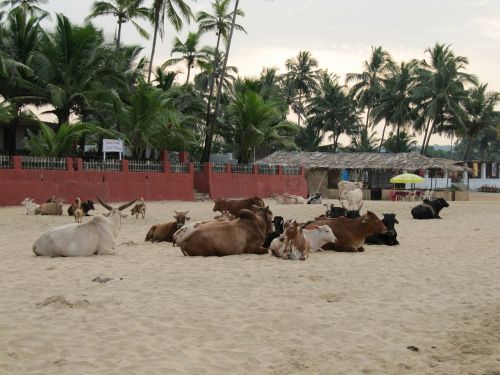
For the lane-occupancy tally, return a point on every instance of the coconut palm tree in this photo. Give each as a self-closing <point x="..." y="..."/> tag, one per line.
<point x="165" y="79"/>
<point x="441" y="90"/>
<point x="368" y="84"/>
<point x="124" y="11"/>
<point x="29" y="6"/>
<point x="301" y="80"/>
<point x="309" y="138"/>
<point x="404" y="143"/>
<point x="190" y="53"/>
<point x="362" y="142"/>
<point x="203" y="80"/>
<point x="175" y="10"/>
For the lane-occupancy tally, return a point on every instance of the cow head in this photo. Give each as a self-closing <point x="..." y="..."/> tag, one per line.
<point x="278" y="224"/>
<point x="291" y="228"/>
<point x="218" y="205"/>
<point x="113" y="210"/>
<point x="89" y="205"/>
<point x="440" y="203"/>
<point x="181" y="218"/>
<point x="390" y="221"/>
<point x="373" y="223"/>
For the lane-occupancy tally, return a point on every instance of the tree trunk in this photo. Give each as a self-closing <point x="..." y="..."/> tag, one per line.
<point x="300" y="106"/>
<point x="382" y="139"/>
<point x="367" y="119"/>
<point x="189" y="73"/>
<point x="467" y="148"/>
<point x="422" y="150"/>
<point x="119" y="33"/>
<point x="157" y="17"/>
<point x="398" y="141"/>
<point x="431" y="130"/>
<point x="209" y="132"/>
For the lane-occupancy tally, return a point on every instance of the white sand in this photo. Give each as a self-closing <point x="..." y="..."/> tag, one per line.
<point x="336" y="313"/>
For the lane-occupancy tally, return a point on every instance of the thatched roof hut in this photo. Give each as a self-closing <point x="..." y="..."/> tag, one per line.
<point x="410" y="161"/>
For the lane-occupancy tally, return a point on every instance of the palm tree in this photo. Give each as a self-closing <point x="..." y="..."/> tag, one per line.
<point x="203" y="80"/>
<point x="125" y="11"/>
<point x="252" y="122"/>
<point x="222" y="21"/>
<point x="165" y="79"/>
<point x="441" y="90"/>
<point x="189" y="53"/>
<point x="28" y="6"/>
<point x="301" y="80"/>
<point x="481" y="117"/>
<point x="368" y="84"/>
<point x="362" y="142"/>
<point x="171" y="8"/>
<point x="309" y="138"/>
<point x="404" y="143"/>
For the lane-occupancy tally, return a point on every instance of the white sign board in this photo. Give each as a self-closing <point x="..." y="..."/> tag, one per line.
<point x="112" y="145"/>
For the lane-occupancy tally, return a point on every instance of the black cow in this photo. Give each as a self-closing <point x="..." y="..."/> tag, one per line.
<point x="86" y="207"/>
<point x="429" y="209"/>
<point x="315" y="200"/>
<point x="390" y="237"/>
<point x="334" y="212"/>
<point x="278" y="222"/>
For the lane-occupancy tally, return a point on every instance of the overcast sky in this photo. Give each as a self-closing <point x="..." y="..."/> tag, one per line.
<point x="339" y="33"/>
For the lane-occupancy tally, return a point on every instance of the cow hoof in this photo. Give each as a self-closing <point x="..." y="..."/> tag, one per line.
<point x="361" y="249"/>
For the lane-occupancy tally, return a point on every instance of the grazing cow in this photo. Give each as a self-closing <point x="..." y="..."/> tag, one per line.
<point x="30" y="205"/>
<point x="244" y="235"/>
<point x="429" y="209"/>
<point x="139" y="209"/>
<point x="291" y="244"/>
<point x="351" y="233"/>
<point x="234" y="206"/>
<point x="315" y="200"/>
<point x="345" y="186"/>
<point x="86" y="207"/>
<point x="50" y="208"/>
<point x="390" y="237"/>
<point x="77" y="210"/>
<point x="354" y="199"/>
<point x="181" y="234"/>
<point x="165" y="232"/>
<point x="319" y="236"/>
<point x="79" y="240"/>
<point x="278" y="223"/>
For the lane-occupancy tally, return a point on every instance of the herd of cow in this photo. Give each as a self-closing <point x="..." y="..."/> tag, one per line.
<point x="244" y="226"/>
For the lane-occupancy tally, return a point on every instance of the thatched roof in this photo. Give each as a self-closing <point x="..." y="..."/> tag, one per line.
<point x="360" y="160"/>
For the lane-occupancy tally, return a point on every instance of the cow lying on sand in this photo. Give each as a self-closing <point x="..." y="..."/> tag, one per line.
<point x="234" y="206"/>
<point x="181" y="234"/>
<point x="390" y="237"/>
<point x="165" y="232"/>
<point x="292" y="244"/>
<point x="286" y="198"/>
<point x="79" y="240"/>
<point x="351" y="233"/>
<point x="86" y="207"/>
<point x="244" y="235"/>
<point x="278" y="223"/>
<point x="429" y="209"/>
<point x="30" y="205"/>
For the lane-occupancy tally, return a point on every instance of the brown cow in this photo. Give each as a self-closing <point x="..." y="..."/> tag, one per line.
<point x="165" y="232"/>
<point x="234" y="206"/>
<point x="351" y="233"/>
<point x="244" y="235"/>
<point x="292" y="244"/>
<point x="50" y="208"/>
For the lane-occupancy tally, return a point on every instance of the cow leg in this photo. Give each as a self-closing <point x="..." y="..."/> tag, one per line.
<point x="260" y="250"/>
<point x="361" y="249"/>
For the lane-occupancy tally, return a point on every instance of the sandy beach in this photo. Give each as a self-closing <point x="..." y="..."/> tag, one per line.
<point x="336" y="313"/>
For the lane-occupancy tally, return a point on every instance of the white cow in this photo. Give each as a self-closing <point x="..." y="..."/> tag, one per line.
<point x="30" y="205"/>
<point x="355" y="199"/>
<point x="346" y="186"/>
<point x="80" y="240"/>
<point x="289" y="199"/>
<point x="318" y="237"/>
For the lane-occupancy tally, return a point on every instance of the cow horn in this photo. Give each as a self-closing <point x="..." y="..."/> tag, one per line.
<point x="124" y="206"/>
<point x="104" y="204"/>
<point x="359" y="209"/>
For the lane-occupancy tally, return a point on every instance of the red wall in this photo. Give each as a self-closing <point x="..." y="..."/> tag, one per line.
<point x="233" y="185"/>
<point x="17" y="184"/>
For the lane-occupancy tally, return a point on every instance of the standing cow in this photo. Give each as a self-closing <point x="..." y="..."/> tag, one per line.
<point x="345" y="186"/>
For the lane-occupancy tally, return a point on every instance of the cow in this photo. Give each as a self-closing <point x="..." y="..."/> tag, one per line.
<point x="286" y="198"/>
<point x="315" y="200"/>
<point x="244" y="235"/>
<point x="50" y="208"/>
<point x="278" y="223"/>
<point x="291" y="244"/>
<point x="181" y="234"/>
<point x="86" y="207"/>
<point x="78" y="240"/>
<point x="139" y="209"/>
<point x="354" y="199"/>
<point x="429" y="209"/>
<point x="334" y="212"/>
<point x="234" y="206"/>
<point x="319" y="236"/>
<point x="345" y="186"/>
<point x="351" y="233"/>
<point x="165" y="232"/>
<point x="30" y="205"/>
<point x="390" y="237"/>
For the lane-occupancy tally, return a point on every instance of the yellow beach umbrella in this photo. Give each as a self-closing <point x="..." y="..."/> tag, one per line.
<point x="406" y="178"/>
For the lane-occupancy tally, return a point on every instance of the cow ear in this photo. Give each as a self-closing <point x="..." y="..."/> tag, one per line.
<point x="364" y="219"/>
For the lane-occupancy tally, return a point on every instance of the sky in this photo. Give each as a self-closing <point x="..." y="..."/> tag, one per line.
<point x="339" y="34"/>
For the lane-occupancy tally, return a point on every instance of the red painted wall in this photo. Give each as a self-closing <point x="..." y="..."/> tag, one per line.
<point x="17" y="184"/>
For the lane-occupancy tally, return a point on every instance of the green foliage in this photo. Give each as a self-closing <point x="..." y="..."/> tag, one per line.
<point x="404" y="143"/>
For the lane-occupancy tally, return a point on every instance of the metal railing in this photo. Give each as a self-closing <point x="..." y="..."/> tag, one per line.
<point x="179" y="168"/>
<point x="145" y="166"/>
<point x="291" y="169"/>
<point x="99" y="165"/>
<point x="42" y="162"/>
<point x="219" y="168"/>
<point x="5" y="162"/>
<point x="198" y="166"/>
<point x="267" y="169"/>
<point x="241" y="168"/>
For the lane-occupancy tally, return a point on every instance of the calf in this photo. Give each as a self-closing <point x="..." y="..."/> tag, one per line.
<point x="86" y="207"/>
<point x="390" y="237"/>
<point x="292" y="244"/>
<point x="30" y="205"/>
<point x="351" y="233"/>
<point x="139" y="209"/>
<point x="429" y="209"/>
<point x="319" y="236"/>
<point x="234" y="206"/>
<point x="165" y="232"/>
<point x="278" y="230"/>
